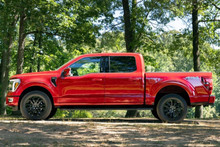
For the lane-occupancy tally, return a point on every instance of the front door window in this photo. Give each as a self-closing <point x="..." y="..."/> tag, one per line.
<point x="86" y="66"/>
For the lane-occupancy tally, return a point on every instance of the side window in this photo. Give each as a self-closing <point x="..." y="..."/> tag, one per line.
<point x="122" y="64"/>
<point x="85" y="66"/>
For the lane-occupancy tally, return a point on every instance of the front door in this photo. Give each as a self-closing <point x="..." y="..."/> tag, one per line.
<point x="85" y="85"/>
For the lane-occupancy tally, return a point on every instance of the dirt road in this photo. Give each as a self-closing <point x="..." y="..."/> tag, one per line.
<point x="109" y="132"/>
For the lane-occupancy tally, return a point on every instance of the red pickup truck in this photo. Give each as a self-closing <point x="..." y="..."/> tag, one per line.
<point x="109" y="81"/>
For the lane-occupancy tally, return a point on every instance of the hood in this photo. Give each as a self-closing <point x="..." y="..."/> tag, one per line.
<point x="34" y="74"/>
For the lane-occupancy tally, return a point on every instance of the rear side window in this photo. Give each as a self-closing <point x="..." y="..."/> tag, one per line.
<point x="122" y="64"/>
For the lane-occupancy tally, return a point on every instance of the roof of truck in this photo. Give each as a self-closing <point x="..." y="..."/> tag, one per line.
<point x="110" y="54"/>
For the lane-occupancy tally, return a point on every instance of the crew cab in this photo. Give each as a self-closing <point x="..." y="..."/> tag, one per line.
<point x="109" y="81"/>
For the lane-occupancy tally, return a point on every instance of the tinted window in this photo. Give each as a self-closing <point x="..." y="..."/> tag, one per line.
<point x="122" y="64"/>
<point x="85" y="66"/>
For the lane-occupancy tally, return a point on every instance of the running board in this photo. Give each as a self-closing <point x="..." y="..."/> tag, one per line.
<point x="103" y="107"/>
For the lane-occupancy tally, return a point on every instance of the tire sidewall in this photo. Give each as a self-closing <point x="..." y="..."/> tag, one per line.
<point x="46" y="100"/>
<point x="161" y="102"/>
<point x="52" y="113"/>
<point x="154" y="113"/>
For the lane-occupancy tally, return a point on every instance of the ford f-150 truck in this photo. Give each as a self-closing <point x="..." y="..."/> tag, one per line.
<point x="109" y="81"/>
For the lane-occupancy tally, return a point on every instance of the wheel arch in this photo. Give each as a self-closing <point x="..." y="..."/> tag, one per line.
<point x="173" y="89"/>
<point x="35" y="88"/>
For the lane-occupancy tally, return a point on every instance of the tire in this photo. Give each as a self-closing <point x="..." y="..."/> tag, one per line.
<point x="154" y="113"/>
<point x="36" y="105"/>
<point x="52" y="113"/>
<point x="172" y="108"/>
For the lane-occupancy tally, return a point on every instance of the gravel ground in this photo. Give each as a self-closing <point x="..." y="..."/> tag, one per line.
<point x="109" y="132"/>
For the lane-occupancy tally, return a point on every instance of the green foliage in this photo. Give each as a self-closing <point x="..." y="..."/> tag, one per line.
<point x="108" y="113"/>
<point x="8" y="110"/>
<point x="190" y="113"/>
<point x="110" y="42"/>
<point x="61" y="113"/>
<point x="58" y="31"/>
<point x="73" y="114"/>
<point x="117" y="113"/>
<point x="210" y="112"/>
<point x="174" y="56"/>
<point x="87" y="68"/>
<point x="81" y="114"/>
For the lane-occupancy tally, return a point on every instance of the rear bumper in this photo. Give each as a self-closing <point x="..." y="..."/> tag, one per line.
<point x="210" y="101"/>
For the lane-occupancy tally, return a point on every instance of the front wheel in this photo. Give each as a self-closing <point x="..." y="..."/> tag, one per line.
<point x="172" y="108"/>
<point x="35" y="105"/>
<point x="52" y="113"/>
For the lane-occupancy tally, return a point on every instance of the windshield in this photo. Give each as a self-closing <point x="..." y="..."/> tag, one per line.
<point x="64" y="64"/>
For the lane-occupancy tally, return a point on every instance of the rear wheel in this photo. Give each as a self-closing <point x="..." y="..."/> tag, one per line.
<point x="172" y="108"/>
<point x="154" y="112"/>
<point x="35" y="105"/>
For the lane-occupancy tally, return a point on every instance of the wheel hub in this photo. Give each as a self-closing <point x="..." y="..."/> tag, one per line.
<point x="172" y="108"/>
<point x="35" y="106"/>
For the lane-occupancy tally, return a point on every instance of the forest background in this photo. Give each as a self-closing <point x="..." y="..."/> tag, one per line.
<point x="41" y="35"/>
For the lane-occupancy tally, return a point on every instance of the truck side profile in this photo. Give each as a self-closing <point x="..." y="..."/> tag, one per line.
<point x="109" y="81"/>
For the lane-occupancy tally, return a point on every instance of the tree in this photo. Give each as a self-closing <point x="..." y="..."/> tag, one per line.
<point x="205" y="23"/>
<point x="22" y="35"/>
<point x="138" y="19"/>
<point x="129" y="37"/>
<point x="68" y="21"/>
<point x="196" y="60"/>
<point x="8" y="29"/>
<point x="196" y="6"/>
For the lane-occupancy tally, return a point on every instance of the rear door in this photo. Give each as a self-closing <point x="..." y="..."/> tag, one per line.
<point x="123" y="81"/>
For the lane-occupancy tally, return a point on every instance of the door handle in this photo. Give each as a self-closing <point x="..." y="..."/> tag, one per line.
<point x="97" y="79"/>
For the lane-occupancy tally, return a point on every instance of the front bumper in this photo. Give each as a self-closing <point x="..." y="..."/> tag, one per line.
<point x="12" y="101"/>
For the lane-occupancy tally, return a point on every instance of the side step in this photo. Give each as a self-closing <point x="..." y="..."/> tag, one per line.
<point x="103" y="107"/>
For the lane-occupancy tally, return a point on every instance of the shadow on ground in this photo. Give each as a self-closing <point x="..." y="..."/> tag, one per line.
<point x="113" y="132"/>
<point x="124" y="120"/>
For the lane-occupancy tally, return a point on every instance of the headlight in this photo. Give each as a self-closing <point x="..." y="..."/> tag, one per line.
<point x="13" y="84"/>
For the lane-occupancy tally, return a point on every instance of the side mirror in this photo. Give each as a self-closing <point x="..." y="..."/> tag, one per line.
<point x="66" y="72"/>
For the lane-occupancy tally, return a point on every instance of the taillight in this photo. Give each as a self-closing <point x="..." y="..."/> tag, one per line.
<point x="207" y="83"/>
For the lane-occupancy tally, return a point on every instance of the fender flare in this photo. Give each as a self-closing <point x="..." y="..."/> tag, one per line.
<point x="50" y="88"/>
<point x="189" y="89"/>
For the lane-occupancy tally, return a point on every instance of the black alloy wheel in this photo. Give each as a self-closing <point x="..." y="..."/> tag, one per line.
<point x="172" y="108"/>
<point x="35" y="105"/>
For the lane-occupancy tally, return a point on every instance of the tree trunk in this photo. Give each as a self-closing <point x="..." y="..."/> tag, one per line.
<point x="5" y="64"/>
<point x="132" y="113"/>
<point x="3" y="70"/>
<point x="6" y="75"/>
<point x="32" y="59"/>
<point x="133" y="23"/>
<point x="40" y="52"/>
<point x="128" y="28"/>
<point x="196" y="54"/>
<point x="130" y="23"/>
<point x="21" y="43"/>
